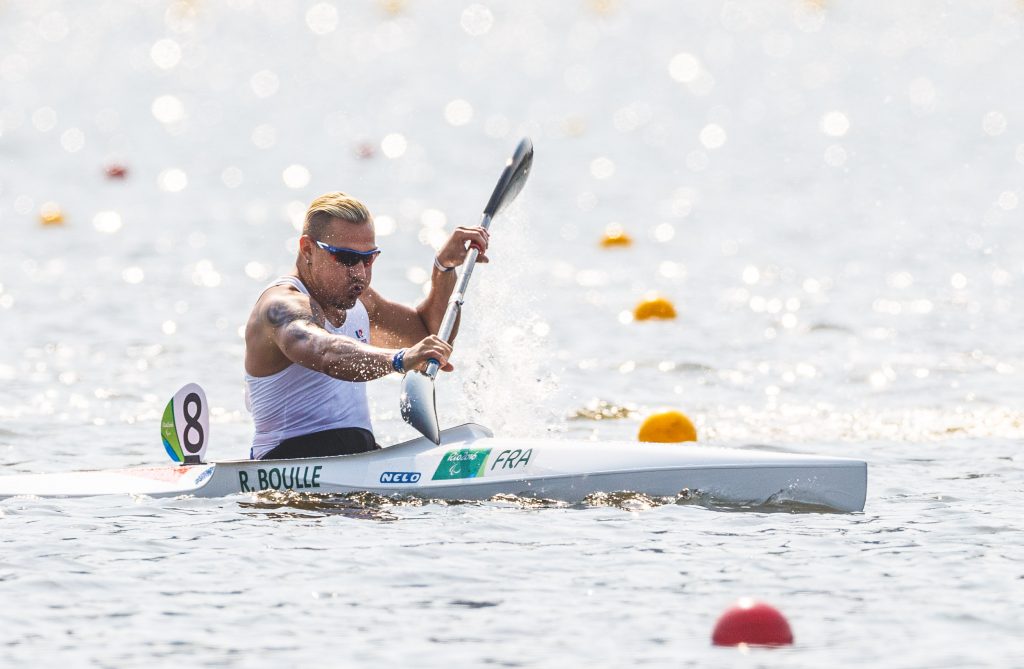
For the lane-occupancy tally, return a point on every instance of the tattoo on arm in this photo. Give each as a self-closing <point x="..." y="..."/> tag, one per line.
<point x="279" y="315"/>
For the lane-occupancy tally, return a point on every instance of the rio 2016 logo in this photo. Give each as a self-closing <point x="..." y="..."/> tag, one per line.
<point x="464" y="463"/>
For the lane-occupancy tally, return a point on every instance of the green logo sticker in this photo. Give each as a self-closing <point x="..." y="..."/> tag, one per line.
<point x="465" y="463"/>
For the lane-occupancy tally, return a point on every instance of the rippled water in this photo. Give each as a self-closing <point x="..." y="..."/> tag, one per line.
<point x="829" y="193"/>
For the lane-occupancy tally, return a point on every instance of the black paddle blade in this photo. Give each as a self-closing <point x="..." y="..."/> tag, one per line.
<point x="512" y="179"/>
<point x="419" y="407"/>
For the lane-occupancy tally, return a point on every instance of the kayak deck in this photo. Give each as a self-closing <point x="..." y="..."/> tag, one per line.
<point x="471" y="464"/>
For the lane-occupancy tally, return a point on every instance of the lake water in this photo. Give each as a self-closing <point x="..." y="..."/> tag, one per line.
<point x="829" y="192"/>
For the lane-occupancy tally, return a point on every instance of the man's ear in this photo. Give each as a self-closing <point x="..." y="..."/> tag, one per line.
<point x="306" y="249"/>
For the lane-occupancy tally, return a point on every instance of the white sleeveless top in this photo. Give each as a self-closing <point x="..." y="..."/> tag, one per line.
<point x="297" y="400"/>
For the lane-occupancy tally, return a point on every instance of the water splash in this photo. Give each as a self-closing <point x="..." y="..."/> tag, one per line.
<point x="506" y="362"/>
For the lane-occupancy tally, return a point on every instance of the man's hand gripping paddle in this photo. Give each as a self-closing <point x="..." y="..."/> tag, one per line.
<point x="418" y="402"/>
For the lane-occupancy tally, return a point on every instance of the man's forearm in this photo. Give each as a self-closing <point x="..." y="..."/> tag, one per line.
<point x="349" y="360"/>
<point x="335" y="355"/>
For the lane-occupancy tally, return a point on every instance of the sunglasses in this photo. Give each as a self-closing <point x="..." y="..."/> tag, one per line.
<point x="350" y="257"/>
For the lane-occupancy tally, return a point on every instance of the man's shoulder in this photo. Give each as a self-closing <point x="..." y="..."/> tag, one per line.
<point x="282" y="303"/>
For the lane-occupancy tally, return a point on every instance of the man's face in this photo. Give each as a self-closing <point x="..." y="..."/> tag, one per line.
<point x="343" y="284"/>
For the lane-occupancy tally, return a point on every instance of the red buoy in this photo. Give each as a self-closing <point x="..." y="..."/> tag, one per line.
<point x="116" y="171"/>
<point x="753" y="623"/>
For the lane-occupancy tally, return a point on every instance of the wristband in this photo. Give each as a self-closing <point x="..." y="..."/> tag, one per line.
<point x="440" y="267"/>
<point x="398" y="361"/>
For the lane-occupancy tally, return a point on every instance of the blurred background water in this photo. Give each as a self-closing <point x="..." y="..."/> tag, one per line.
<point x="827" y="191"/>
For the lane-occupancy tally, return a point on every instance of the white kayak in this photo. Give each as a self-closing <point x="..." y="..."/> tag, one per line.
<point x="472" y="464"/>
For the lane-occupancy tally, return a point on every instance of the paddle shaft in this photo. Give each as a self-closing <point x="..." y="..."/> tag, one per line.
<point x="451" y="314"/>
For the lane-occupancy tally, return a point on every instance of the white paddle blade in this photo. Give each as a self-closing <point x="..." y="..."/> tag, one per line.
<point x="185" y="428"/>
<point x="418" y="405"/>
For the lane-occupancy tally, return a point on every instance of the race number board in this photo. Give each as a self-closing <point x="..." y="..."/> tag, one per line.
<point x="185" y="428"/>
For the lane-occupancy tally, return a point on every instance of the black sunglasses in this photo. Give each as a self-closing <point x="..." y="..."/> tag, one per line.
<point x="350" y="257"/>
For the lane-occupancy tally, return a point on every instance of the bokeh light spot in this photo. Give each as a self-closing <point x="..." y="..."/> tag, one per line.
<point x="684" y="67"/>
<point x="264" y="83"/>
<point x="993" y="123"/>
<point x="172" y="180"/>
<point x="835" y="124"/>
<point x="107" y="221"/>
<point x="476" y="20"/>
<point x="166" y="53"/>
<point x="393" y="145"/>
<point x="712" y="136"/>
<point x="72" y="140"/>
<point x="322" y="18"/>
<point x="458" y="112"/>
<point x="296" y="176"/>
<point x="168" y="109"/>
<point x="602" y="167"/>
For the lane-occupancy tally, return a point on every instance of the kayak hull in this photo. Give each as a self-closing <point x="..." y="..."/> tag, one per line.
<point x="471" y="464"/>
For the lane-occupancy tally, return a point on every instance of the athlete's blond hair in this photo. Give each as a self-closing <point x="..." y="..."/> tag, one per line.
<point x="333" y="205"/>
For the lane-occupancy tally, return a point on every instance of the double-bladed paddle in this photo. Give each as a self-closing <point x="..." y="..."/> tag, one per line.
<point x="418" y="402"/>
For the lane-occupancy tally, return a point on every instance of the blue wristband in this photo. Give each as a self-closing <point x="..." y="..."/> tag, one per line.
<point x="398" y="361"/>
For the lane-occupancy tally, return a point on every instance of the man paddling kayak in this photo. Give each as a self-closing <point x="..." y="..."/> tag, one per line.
<point x="315" y="336"/>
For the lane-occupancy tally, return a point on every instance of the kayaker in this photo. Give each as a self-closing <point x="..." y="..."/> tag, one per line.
<point x="316" y="335"/>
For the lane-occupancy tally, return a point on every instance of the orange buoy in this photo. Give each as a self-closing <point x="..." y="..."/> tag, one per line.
<point x="614" y="236"/>
<point x="667" y="427"/>
<point x="752" y="623"/>
<point x="654" y="308"/>
<point x="50" y="214"/>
